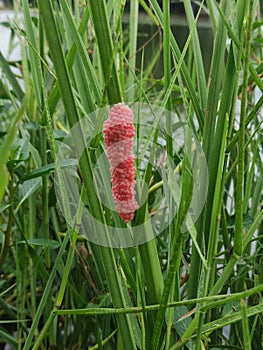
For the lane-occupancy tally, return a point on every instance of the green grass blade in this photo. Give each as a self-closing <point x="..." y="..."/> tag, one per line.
<point x="54" y="94"/>
<point x="133" y="32"/>
<point x="46" y="294"/>
<point x="215" y="76"/>
<point x="184" y="71"/>
<point x="201" y="79"/>
<point x="46" y="13"/>
<point x="245" y="326"/>
<point x="34" y="60"/>
<point x="11" y="77"/>
<point x="6" y="148"/>
<point x="238" y="237"/>
<point x="107" y="54"/>
<point x="176" y="250"/>
<point x="90" y="75"/>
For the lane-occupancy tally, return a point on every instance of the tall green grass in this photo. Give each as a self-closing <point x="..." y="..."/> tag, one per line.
<point x="199" y="289"/>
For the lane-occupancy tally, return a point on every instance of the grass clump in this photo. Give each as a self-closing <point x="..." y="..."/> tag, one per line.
<point x="188" y="275"/>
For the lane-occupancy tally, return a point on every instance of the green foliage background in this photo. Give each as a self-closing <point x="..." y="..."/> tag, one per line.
<point x="180" y="290"/>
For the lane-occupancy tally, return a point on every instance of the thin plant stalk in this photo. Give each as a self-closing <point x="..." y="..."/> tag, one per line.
<point x="245" y="326"/>
<point x="238" y="237"/>
<point x="133" y="32"/>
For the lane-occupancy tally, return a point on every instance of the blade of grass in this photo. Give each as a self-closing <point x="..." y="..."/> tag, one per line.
<point x="201" y="79"/>
<point x="54" y="94"/>
<point x="34" y="60"/>
<point x="167" y="75"/>
<point x="245" y="327"/>
<point x="176" y="251"/>
<point x="6" y="147"/>
<point x="184" y="71"/>
<point x="46" y="293"/>
<point x="215" y="81"/>
<point x="148" y="251"/>
<point x="169" y="140"/>
<point x="11" y="77"/>
<point x="248" y="120"/>
<point x="133" y="32"/>
<point x="89" y="74"/>
<point x="107" y="54"/>
<point x="224" y="321"/>
<point x="213" y="14"/>
<point x="255" y="73"/>
<point x="208" y="280"/>
<point x="227" y="103"/>
<point x="238" y="235"/>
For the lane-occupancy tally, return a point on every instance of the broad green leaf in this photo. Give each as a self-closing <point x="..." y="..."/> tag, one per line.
<point x="50" y="168"/>
<point x="19" y="152"/>
<point x="247" y="221"/>
<point x="181" y="322"/>
<point x="27" y="189"/>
